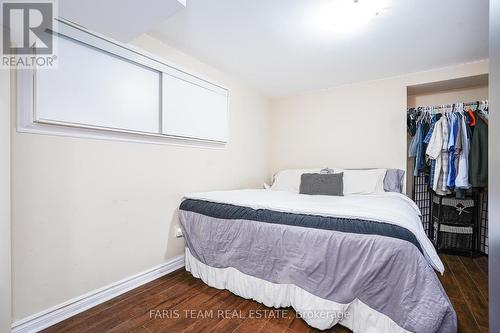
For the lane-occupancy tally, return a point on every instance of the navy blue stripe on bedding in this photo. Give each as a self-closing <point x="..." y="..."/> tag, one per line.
<point x="357" y="226"/>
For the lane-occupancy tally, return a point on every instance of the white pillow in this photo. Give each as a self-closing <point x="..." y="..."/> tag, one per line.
<point x="363" y="181"/>
<point x="289" y="180"/>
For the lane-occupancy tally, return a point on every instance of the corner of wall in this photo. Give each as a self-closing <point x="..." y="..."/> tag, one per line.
<point x="5" y="202"/>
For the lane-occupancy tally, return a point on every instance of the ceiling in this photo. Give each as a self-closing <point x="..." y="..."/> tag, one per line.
<point x="122" y="20"/>
<point x="280" y="47"/>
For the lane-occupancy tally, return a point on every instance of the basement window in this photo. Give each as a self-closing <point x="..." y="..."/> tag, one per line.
<point x="103" y="89"/>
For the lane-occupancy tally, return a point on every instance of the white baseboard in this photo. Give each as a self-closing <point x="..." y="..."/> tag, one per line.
<point x="53" y="315"/>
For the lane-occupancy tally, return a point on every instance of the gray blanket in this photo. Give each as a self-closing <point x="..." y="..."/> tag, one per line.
<point x="388" y="274"/>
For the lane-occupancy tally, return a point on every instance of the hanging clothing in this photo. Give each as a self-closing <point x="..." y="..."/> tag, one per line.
<point x="434" y="119"/>
<point x="451" y="147"/>
<point x="411" y="124"/>
<point x="431" y="174"/>
<point x="445" y="158"/>
<point x="436" y="150"/>
<point x="462" y="180"/>
<point x="452" y="141"/>
<point x="424" y="166"/>
<point x="417" y="148"/>
<point x="433" y="152"/>
<point x="427" y="139"/>
<point x="478" y="162"/>
<point x="413" y="149"/>
<point x="458" y="145"/>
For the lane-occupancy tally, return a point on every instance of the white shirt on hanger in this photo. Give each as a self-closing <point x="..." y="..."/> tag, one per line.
<point x="434" y="150"/>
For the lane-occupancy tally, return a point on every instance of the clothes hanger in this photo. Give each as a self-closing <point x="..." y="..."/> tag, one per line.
<point x="427" y="117"/>
<point x="461" y="111"/>
<point x="420" y="116"/>
<point x="472" y="115"/>
<point x="448" y="110"/>
<point x="483" y="111"/>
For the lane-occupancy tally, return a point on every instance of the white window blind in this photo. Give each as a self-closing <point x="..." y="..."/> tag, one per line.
<point x="194" y="108"/>
<point x="104" y="89"/>
<point x="94" y="88"/>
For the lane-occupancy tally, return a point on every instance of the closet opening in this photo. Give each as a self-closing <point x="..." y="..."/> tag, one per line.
<point x="447" y="170"/>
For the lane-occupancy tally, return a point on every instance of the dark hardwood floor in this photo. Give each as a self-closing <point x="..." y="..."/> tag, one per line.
<point x="466" y="283"/>
<point x="180" y="303"/>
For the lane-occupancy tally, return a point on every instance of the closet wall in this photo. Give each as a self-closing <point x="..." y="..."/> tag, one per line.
<point x="448" y="96"/>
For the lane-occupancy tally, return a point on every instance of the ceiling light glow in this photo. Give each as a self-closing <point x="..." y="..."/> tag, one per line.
<point x="341" y="17"/>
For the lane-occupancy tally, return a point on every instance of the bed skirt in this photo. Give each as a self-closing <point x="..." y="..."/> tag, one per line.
<point x="317" y="312"/>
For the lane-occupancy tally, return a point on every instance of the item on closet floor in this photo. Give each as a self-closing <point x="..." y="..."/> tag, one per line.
<point x="455" y="224"/>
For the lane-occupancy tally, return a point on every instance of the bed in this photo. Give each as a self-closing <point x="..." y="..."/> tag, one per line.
<point x="360" y="260"/>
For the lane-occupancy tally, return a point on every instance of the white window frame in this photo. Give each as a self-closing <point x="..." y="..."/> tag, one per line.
<point x="29" y="122"/>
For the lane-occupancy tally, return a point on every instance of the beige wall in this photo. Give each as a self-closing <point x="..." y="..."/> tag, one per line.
<point x="356" y="125"/>
<point x="87" y="213"/>
<point x="5" y="221"/>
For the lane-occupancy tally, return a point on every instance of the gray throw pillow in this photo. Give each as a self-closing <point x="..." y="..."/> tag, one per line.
<point x="322" y="184"/>
<point x="393" y="181"/>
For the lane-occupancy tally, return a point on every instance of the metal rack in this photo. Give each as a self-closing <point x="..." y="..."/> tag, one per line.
<point x="423" y="198"/>
<point x="483" y="222"/>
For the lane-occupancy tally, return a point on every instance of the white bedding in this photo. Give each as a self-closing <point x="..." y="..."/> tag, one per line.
<point x="388" y="207"/>
<point x="356" y="315"/>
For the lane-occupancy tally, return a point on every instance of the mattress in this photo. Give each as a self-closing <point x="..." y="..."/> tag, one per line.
<point x="365" y="258"/>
